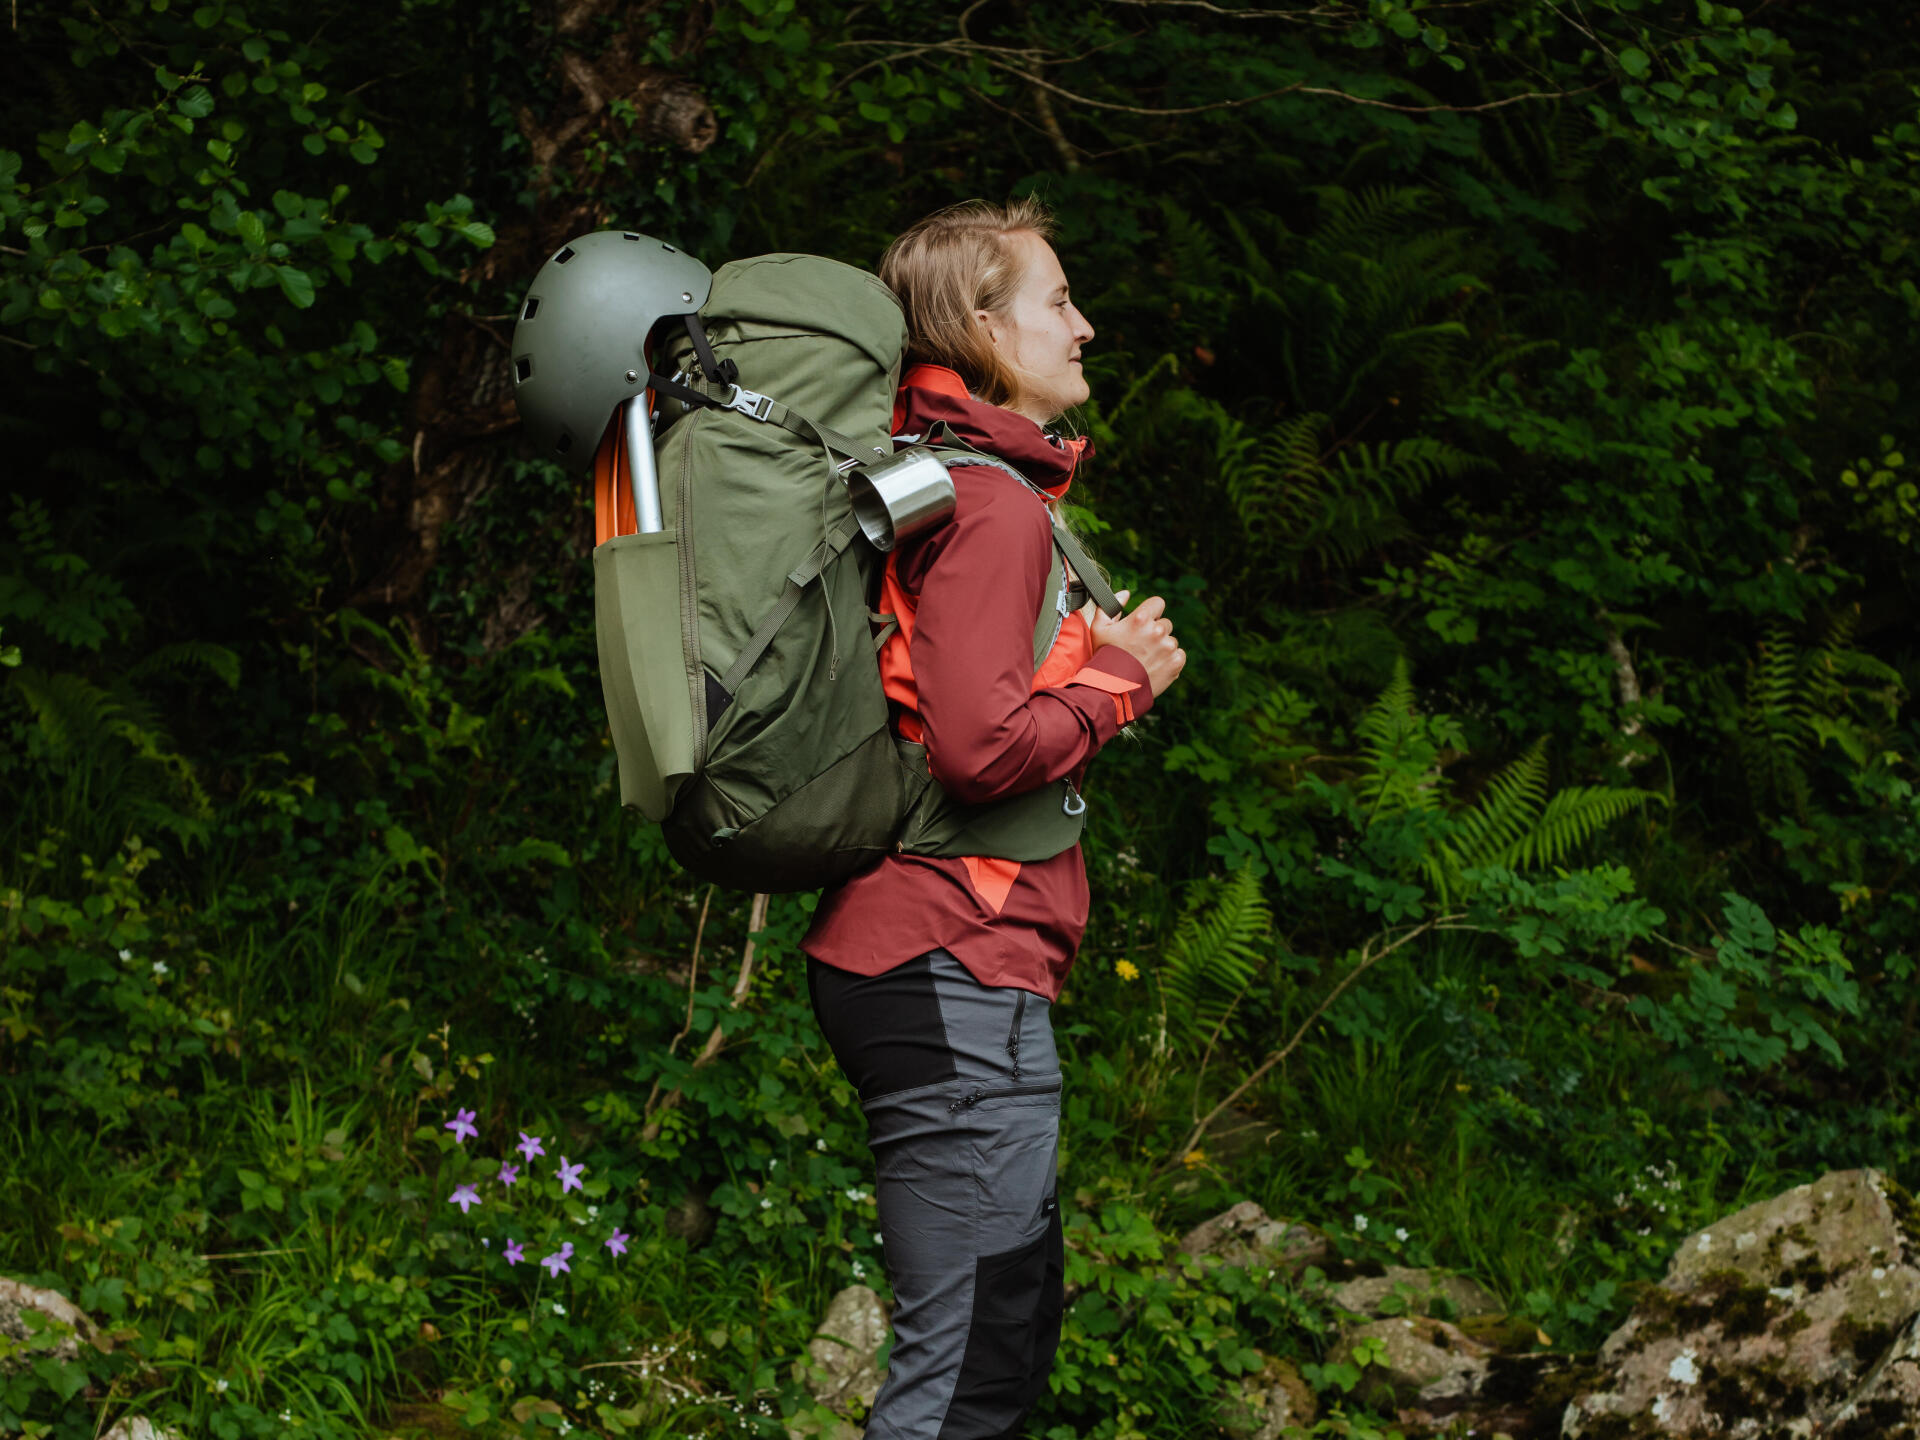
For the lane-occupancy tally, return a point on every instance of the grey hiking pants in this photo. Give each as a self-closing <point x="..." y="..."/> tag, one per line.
<point x="960" y="1083"/>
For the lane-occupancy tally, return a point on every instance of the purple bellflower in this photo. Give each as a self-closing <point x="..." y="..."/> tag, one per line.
<point x="464" y="1197"/>
<point x="569" y="1175"/>
<point x="462" y="1125"/>
<point x="530" y="1145"/>
<point x="617" y="1242"/>
<point x="514" y="1252"/>
<point x="557" y="1261"/>
<point x="509" y="1173"/>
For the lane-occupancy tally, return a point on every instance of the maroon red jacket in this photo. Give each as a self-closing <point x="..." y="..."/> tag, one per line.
<point x="960" y="672"/>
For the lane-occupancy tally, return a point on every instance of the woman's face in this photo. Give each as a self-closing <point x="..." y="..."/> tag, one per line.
<point x="1040" y="333"/>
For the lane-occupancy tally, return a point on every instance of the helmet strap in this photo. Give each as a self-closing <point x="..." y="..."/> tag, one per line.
<point x="718" y="372"/>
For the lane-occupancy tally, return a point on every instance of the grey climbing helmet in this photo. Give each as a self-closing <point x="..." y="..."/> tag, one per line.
<point x="579" y="342"/>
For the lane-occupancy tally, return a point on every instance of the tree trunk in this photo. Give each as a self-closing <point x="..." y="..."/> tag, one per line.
<point x="462" y="422"/>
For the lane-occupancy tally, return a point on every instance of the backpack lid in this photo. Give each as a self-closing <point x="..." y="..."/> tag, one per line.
<point x="809" y="295"/>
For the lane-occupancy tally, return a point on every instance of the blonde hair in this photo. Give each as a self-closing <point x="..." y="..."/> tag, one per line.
<point x="947" y="266"/>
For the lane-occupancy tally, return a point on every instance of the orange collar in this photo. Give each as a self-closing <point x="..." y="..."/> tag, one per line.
<point x="938" y="378"/>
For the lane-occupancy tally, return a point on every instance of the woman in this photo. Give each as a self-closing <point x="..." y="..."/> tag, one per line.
<point x="933" y="978"/>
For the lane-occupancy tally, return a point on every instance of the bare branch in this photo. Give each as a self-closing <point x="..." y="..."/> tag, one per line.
<point x="1302" y="88"/>
<point x="1368" y="959"/>
<point x="1050" y="122"/>
<point x="756" y="920"/>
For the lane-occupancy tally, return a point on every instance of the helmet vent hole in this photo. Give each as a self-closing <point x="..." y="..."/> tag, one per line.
<point x="669" y="249"/>
<point x="532" y="308"/>
<point x="522" y="368"/>
<point x="628" y="235"/>
<point x="564" y="256"/>
<point x="565" y="442"/>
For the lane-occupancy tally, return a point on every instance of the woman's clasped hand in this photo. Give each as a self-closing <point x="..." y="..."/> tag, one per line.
<point x="1145" y="633"/>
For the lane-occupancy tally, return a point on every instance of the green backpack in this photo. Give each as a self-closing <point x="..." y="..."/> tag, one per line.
<point x="738" y="645"/>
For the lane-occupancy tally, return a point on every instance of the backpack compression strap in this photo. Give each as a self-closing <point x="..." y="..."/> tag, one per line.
<point x="769" y="411"/>
<point x="1090" y="578"/>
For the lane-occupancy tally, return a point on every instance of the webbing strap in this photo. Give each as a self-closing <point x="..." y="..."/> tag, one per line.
<point x="714" y="370"/>
<point x="1090" y="578"/>
<point x="802" y="575"/>
<point x="770" y="411"/>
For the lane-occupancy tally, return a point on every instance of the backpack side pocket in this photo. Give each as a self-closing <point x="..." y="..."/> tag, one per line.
<point x="643" y="673"/>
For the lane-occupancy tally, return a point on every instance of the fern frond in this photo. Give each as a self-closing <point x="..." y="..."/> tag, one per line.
<point x="216" y="660"/>
<point x="1213" y="958"/>
<point x="1506" y="811"/>
<point x="1401" y="770"/>
<point x="74" y="714"/>
<point x="1572" y="817"/>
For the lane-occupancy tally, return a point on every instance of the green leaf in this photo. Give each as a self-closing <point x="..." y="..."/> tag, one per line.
<point x="480" y="233"/>
<point x="1634" y="61"/>
<point x="296" y="285"/>
<point x="196" y="104"/>
<point x="254" y="48"/>
<point x="252" y="231"/>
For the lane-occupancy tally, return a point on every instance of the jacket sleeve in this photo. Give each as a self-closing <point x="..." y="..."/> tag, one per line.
<point x="989" y="734"/>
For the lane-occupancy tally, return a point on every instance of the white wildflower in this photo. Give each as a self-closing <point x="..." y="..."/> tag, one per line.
<point x="558" y="1308"/>
<point x="126" y="955"/>
<point x="1401" y="1234"/>
<point x="1360" y="1223"/>
<point x="220" y="1386"/>
<point x="766" y="1202"/>
<point x="159" y="968"/>
<point x="820" y="1144"/>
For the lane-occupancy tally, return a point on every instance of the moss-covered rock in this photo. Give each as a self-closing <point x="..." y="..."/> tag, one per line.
<point x="1247" y="1236"/>
<point x="1425" y="1360"/>
<point x="1767" y="1323"/>
<point x="1268" y="1402"/>
<point x="1400" y="1291"/>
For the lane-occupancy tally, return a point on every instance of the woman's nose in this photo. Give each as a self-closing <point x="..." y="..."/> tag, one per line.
<point x="1082" y="331"/>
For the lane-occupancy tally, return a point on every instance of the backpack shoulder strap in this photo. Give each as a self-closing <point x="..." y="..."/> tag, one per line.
<point x="1063" y="542"/>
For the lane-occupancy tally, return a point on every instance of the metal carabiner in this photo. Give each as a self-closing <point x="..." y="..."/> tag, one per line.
<point x="1075" y="803"/>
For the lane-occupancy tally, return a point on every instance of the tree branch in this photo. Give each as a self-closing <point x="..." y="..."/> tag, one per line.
<point x="1367" y="962"/>
<point x="756" y="921"/>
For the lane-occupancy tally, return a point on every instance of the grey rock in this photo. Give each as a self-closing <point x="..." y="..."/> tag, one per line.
<point x="67" y="1320"/>
<point x="1426" y="1361"/>
<point x="846" y="1374"/>
<point x="1419" y="1288"/>
<point x="1770" y="1322"/>
<point x="1887" y="1402"/>
<point x="1247" y="1236"/>
<point x="691" y="1220"/>
<point x="1270" y="1400"/>
<point x="139" y="1427"/>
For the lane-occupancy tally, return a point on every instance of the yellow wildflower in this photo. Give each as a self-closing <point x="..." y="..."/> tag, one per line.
<point x="1195" y="1159"/>
<point x="1126" y="970"/>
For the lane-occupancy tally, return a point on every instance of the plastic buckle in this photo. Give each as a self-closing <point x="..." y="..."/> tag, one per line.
<point x="750" y="403"/>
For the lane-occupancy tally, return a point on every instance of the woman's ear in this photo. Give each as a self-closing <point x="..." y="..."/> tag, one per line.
<point x="984" y="319"/>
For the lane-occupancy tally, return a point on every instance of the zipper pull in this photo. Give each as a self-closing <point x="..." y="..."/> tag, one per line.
<point x="964" y="1102"/>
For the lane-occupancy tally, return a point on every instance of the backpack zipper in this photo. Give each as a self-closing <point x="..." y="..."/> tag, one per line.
<point x="1013" y="1036"/>
<point x="996" y="1092"/>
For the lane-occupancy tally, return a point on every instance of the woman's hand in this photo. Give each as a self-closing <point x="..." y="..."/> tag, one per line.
<point x="1147" y="635"/>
